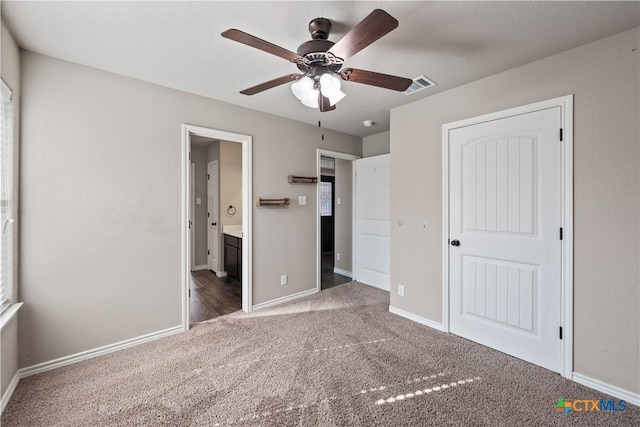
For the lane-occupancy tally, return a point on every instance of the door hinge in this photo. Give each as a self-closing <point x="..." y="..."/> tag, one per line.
<point x="560" y="332"/>
<point x="208" y="176"/>
<point x="561" y="233"/>
<point x="208" y="214"/>
<point x="207" y="252"/>
<point x="189" y="293"/>
<point x="189" y="224"/>
<point x="561" y="136"/>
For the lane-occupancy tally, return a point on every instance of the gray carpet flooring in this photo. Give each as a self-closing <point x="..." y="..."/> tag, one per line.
<point x="337" y="358"/>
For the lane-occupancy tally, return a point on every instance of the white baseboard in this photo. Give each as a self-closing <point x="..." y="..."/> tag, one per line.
<point x="9" y="391"/>
<point x="342" y="272"/>
<point x="79" y="357"/>
<point x="615" y="391"/>
<point x="199" y="267"/>
<point x="282" y="300"/>
<point x="418" y="319"/>
<point x="100" y="351"/>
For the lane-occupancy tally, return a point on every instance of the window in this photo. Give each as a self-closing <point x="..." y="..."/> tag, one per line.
<point x="326" y="199"/>
<point x="6" y="198"/>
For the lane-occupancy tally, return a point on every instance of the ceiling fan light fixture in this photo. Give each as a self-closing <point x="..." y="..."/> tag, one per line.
<point x="330" y="87"/>
<point x="311" y="99"/>
<point x="304" y="90"/>
<point x="302" y="87"/>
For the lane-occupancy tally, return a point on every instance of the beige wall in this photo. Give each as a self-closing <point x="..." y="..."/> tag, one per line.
<point x="101" y="242"/>
<point x="199" y="158"/>
<point x="343" y="216"/>
<point x="374" y="145"/>
<point x="230" y="182"/>
<point x="10" y="71"/>
<point x="604" y="76"/>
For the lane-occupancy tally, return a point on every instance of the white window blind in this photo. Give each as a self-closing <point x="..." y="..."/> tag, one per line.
<point x="6" y="198"/>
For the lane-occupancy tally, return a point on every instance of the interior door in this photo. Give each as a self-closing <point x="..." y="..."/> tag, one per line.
<point x="505" y="198"/>
<point x="372" y="228"/>
<point x="213" y="245"/>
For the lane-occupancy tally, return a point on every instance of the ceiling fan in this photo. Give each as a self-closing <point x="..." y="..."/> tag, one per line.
<point x="321" y="60"/>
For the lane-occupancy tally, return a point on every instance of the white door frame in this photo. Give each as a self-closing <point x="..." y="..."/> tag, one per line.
<point x="192" y="207"/>
<point x="566" y="107"/>
<point x="247" y="237"/>
<point x="216" y="268"/>
<point x="344" y="156"/>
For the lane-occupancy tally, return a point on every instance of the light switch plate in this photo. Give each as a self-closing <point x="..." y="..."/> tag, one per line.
<point x="198" y="201"/>
<point x="338" y="201"/>
<point x="302" y="200"/>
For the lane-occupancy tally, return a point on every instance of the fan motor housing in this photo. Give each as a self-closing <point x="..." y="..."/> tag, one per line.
<point x="315" y="51"/>
<point x="313" y="46"/>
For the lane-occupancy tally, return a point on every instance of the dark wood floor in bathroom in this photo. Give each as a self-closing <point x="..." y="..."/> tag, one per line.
<point x="213" y="296"/>
<point x="328" y="278"/>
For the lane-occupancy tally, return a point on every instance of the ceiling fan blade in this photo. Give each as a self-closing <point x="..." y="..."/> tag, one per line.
<point x="270" y="84"/>
<point x="324" y="104"/>
<point x="375" y="25"/>
<point x="249" y="40"/>
<point x="376" y="79"/>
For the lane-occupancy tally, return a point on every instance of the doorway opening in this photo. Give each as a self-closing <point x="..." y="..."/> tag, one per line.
<point x="217" y="238"/>
<point x="335" y="218"/>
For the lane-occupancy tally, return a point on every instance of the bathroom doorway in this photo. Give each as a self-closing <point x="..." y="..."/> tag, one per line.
<point x="217" y="239"/>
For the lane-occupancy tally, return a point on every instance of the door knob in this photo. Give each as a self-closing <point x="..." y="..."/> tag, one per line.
<point x="214" y="223"/>
<point x="455" y="242"/>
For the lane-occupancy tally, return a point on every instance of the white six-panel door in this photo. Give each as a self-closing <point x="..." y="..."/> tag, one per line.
<point x="505" y="214"/>
<point x="372" y="227"/>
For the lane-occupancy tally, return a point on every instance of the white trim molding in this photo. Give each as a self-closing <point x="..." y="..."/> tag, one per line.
<point x="200" y="267"/>
<point x="615" y="391"/>
<point x="566" y="122"/>
<point x="418" y="319"/>
<point x="6" y="90"/>
<point x="9" y="314"/>
<point x="342" y="272"/>
<point x="6" y="397"/>
<point x="282" y="300"/>
<point x="79" y="357"/>
<point x="100" y="351"/>
<point x="247" y="214"/>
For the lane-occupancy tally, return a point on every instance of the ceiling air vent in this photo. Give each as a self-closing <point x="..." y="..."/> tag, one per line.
<point x="419" y="83"/>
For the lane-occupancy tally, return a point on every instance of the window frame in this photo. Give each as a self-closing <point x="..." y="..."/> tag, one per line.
<point x="8" y="178"/>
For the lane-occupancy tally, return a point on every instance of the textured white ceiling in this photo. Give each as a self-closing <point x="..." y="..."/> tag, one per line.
<point x="178" y="44"/>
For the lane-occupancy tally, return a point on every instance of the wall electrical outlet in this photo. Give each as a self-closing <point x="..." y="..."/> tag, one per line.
<point x="401" y="290"/>
<point x="338" y="256"/>
<point x="283" y="280"/>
